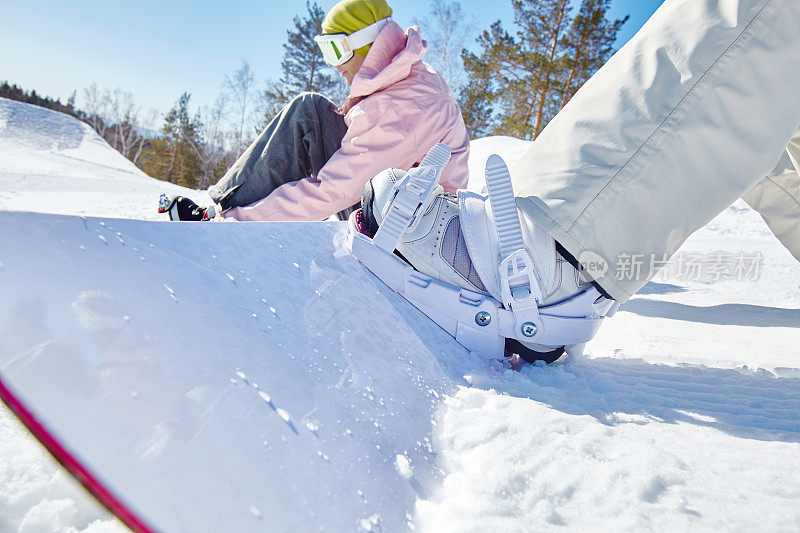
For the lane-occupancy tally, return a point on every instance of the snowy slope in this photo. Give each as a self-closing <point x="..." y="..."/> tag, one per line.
<point x="684" y="412"/>
<point x="53" y="163"/>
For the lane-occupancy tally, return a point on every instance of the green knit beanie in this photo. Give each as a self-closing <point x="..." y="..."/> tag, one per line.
<point x="349" y="16"/>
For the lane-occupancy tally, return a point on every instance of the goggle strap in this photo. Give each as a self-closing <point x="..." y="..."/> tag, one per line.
<point x="362" y="37"/>
<point x="366" y="35"/>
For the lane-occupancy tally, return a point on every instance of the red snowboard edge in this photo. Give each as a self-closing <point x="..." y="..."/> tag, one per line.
<point x="71" y="464"/>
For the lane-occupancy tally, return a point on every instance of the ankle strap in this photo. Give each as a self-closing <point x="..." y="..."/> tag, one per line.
<point x="410" y="194"/>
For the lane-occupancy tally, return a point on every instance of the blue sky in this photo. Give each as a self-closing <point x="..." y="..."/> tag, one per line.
<point x="158" y="49"/>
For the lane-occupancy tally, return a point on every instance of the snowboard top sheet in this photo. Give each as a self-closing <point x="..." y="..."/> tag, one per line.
<point x="207" y="377"/>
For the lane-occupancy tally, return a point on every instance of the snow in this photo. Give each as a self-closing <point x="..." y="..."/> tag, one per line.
<point x="52" y="163"/>
<point x="36" y="494"/>
<point x="509" y="148"/>
<point x="683" y="413"/>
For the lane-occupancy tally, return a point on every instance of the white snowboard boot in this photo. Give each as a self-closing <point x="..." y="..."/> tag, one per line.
<point x="455" y="239"/>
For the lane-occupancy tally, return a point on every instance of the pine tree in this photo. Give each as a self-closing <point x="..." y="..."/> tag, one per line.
<point x="303" y="68"/>
<point x="523" y="80"/>
<point x="174" y="156"/>
<point x="546" y="28"/>
<point x="590" y="44"/>
<point x="476" y="98"/>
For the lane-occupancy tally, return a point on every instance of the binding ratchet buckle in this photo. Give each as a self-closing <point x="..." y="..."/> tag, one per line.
<point x="409" y="195"/>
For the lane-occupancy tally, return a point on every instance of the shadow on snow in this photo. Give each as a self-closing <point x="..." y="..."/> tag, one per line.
<point x="724" y="314"/>
<point x="741" y="402"/>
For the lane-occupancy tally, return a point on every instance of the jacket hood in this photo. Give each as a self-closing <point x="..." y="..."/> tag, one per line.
<point x="390" y="60"/>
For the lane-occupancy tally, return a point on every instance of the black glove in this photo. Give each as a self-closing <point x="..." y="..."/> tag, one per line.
<point x="183" y="209"/>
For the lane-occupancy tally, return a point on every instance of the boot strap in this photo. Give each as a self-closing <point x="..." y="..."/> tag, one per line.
<point x="519" y="288"/>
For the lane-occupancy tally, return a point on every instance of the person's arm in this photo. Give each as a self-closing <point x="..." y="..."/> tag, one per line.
<point x="378" y="138"/>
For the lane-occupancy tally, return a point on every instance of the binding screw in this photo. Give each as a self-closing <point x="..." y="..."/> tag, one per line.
<point x="529" y="329"/>
<point x="483" y="318"/>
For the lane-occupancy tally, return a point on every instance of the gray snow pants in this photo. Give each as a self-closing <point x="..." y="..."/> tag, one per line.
<point x="296" y="144"/>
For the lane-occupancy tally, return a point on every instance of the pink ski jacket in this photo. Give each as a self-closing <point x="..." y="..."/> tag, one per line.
<point x="398" y="108"/>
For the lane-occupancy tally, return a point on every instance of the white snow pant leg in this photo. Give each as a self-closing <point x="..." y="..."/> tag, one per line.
<point x="777" y="199"/>
<point x="683" y="120"/>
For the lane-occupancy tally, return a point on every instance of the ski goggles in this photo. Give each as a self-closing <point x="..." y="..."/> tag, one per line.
<point x="337" y="49"/>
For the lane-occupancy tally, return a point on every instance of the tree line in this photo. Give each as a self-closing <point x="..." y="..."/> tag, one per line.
<point x="15" y="92"/>
<point x="512" y="84"/>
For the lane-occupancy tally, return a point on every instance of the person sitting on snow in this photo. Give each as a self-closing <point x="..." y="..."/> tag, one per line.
<point x="690" y="115"/>
<point x="313" y="159"/>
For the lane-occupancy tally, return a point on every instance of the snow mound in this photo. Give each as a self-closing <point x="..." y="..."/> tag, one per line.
<point x="509" y="148"/>
<point x="41" y="131"/>
<point x="54" y="163"/>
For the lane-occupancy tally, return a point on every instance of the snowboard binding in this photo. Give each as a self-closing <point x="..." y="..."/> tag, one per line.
<point x="478" y="321"/>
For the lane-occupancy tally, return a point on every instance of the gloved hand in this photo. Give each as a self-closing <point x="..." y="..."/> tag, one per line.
<point x="183" y="209"/>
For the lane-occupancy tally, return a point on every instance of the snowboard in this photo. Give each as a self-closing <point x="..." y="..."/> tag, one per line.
<point x="221" y="377"/>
